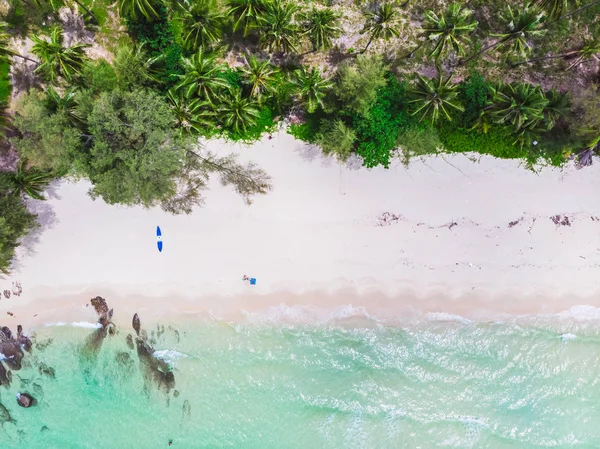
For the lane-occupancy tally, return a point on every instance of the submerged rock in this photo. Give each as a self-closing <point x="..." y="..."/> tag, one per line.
<point x="25" y="400"/>
<point x="93" y="343"/>
<point x="46" y="370"/>
<point x="187" y="410"/>
<point x="5" y="416"/>
<point x="38" y="389"/>
<point x="4" y="376"/>
<point x="129" y="341"/>
<point x="124" y="358"/>
<point x="154" y="369"/>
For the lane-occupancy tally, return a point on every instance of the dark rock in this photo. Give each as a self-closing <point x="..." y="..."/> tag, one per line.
<point x="136" y="324"/>
<point x="25" y="400"/>
<point x="129" y="341"/>
<point x="5" y="333"/>
<point x="100" y="305"/>
<point x="175" y="393"/>
<point x="4" y="380"/>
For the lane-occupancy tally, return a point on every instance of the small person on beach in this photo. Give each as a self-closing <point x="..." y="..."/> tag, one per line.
<point x="252" y="281"/>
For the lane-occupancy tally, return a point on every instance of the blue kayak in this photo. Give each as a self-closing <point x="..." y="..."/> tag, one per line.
<point x="159" y="242"/>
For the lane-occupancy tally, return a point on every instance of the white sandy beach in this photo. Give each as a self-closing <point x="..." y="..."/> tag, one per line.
<point x="317" y="238"/>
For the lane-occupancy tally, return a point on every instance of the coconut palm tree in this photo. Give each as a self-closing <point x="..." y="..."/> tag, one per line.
<point x="381" y="23"/>
<point x="202" y="77"/>
<point x="237" y="113"/>
<point x="30" y="182"/>
<point x="435" y="97"/>
<point x="321" y="26"/>
<point x="56" y="59"/>
<point x="278" y="31"/>
<point x="578" y="10"/>
<point x="312" y="87"/>
<point x="553" y="8"/>
<point x="260" y="76"/>
<point x="449" y="30"/>
<point x="520" y="28"/>
<point x="66" y="104"/>
<point x="135" y="8"/>
<point x="588" y="51"/>
<point x="246" y="13"/>
<point x="191" y="116"/>
<point x="558" y="107"/>
<point x="202" y="24"/>
<point x="520" y="105"/>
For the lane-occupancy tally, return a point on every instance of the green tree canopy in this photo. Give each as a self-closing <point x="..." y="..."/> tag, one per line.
<point x="49" y="138"/>
<point x="15" y="222"/>
<point x="321" y="26"/>
<point x="311" y="87"/>
<point x="247" y="13"/>
<point x="435" y="97"/>
<point x="203" y="24"/>
<point x="449" y="30"/>
<point x="278" y="29"/>
<point x="334" y="137"/>
<point x="137" y="8"/>
<point x="135" y="153"/>
<point x="357" y="84"/>
<point x="56" y="59"/>
<point x="381" y="23"/>
<point x="260" y="76"/>
<point x="202" y="77"/>
<point x="237" y="113"/>
<point x="521" y="26"/>
<point x="518" y="105"/>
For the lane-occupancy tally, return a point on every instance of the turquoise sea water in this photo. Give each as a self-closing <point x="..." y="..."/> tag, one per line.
<point x="431" y="382"/>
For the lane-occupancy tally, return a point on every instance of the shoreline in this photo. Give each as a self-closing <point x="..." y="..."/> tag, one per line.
<point x="447" y="234"/>
<point x="309" y="308"/>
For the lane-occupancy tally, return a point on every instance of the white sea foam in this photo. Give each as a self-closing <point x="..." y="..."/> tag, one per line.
<point x="306" y="314"/>
<point x="170" y="356"/>
<point x="581" y="313"/>
<point x="84" y="324"/>
<point x="442" y="316"/>
<point x="568" y="336"/>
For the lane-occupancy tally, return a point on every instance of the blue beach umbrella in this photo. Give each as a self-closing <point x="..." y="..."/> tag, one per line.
<point x="159" y="239"/>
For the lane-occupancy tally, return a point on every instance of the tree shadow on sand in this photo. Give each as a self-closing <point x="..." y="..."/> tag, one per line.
<point x="46" y="218"/>
<point x="311" y="153"/>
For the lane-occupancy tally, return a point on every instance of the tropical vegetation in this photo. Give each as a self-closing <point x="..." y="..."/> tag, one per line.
<point x="126" y="100"/>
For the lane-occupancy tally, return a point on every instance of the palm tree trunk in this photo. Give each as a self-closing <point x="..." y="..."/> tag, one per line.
<point x="483" y="50"/>
<point x="368" y="43"/>
<point x="88" y="11"/>
<point x="589" y="5"/>
<point x="26" y="58"/>
<point x="563" y="55"/>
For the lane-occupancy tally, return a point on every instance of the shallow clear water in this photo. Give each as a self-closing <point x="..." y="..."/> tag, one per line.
<point x="429" y="383"/>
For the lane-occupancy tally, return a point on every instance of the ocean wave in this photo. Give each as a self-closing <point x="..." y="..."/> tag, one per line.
<point x="169" y="355"/>
<point x="568" y="336"/>
<point x="302" y="314"/>
<point x="581" y="313"/>
<point x="84" y="324"/>
<point x="442" y="316"/>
